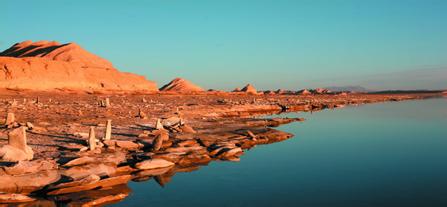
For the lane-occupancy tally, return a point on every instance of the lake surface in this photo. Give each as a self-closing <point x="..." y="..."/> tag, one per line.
<point x="390" y="154"/>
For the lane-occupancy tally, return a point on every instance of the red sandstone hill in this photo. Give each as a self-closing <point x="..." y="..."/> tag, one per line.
<point x="48" y="65"/>
<point x="181" y="85"/>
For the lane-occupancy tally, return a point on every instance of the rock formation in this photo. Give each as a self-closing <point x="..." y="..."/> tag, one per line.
<point x="249" y="89"/>
<point x="320" y="91"/>
<point x="16" y="149"/>
<point x="304" y="92"/>
<point x="108" y="131"/>
<point x="48" y="66"/>
<point x="181" y="85"/>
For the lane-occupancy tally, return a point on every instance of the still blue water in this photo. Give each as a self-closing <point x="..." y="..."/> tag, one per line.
<point x="390" y="154"/>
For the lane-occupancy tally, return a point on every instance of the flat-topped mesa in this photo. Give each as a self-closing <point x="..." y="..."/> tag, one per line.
<point x="182" y="86"/>
<point x="46" y="65"/>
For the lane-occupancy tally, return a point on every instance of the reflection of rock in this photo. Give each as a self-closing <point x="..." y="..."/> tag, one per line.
<point x="163" y="179"/>
<point x="194" y="158"/>
<point x="153" y="172"/>
<point x="83" y="181"/>
<point x="100" y="197"/>
<point x="104" y="183"/>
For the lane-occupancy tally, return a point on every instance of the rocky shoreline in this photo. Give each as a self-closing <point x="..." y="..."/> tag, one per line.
<point x="85" y="148"/>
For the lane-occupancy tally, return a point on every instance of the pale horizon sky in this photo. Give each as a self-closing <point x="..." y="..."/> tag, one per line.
<point x="377" y="44"/>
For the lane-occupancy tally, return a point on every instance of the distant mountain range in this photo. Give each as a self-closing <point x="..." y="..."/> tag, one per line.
<point x="348" y="88"/>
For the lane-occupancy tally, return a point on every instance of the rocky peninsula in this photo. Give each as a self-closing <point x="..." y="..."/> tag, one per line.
<point x="80" y="144"/>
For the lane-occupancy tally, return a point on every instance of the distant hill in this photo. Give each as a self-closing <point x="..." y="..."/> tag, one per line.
<point x="181" y="85"/>
<point x="348" y="88"/>
<point x="49" y="65"/>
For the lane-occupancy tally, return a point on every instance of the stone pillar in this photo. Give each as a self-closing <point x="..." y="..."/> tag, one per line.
<point x="141" y="114"/>
<point x="107" y="102"/>
<point x="17" y="138"/>
<point x="10" y="118"/>
<point x="16" y="149"/>
<point x="92" y="139"/>
<point x="108" y="132"/>
<point x="158" y="141"/>
<point x="158" y="125"/>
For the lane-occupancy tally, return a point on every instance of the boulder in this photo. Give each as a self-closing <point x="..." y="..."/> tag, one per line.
<point x="14" y="198"/>
<point x="104" y="183"/>
<point x="187" y="129"/>
<point x="80" y="161"/>
<point x="26" y="167"/>
<point x="12" y="154"/>
<point x="171" y="121"/>
<point x="128" y="145"/>
<point x="28" y="183"/>
<point x="99" y="169"/>
<point x="195" y="158"/>
<point x="153" y="164"/>
<point x="84" y="181"/>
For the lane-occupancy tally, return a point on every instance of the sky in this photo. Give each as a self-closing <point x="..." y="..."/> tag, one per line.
<point x="271" y="44"/>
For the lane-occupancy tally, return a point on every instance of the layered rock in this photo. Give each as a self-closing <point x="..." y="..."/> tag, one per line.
<point x="47" y="65"/>
<point x="181" y="85"/>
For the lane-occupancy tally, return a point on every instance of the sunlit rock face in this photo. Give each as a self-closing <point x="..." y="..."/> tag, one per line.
<point x="181" y="85"/>
<point x="45" y="65"/>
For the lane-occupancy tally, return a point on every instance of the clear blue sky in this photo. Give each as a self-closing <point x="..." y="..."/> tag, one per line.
<point x="225" y="44"/>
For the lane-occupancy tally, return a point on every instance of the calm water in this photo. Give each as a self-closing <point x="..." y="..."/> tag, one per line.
<point x="391" y="154"/>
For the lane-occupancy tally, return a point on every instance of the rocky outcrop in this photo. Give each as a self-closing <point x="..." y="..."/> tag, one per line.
<point x="249" y="89"/>
<point x="48" y="66"/>
<point x="181" y="85"/>
<point x="304" y="92"/>
<point x="16" y="149"/>
<point x="320" y="91"/>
